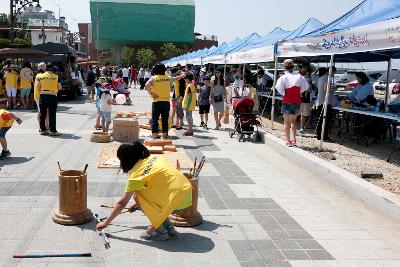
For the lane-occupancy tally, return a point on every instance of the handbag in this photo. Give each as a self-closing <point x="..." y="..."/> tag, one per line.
<point x="218" y="98"/>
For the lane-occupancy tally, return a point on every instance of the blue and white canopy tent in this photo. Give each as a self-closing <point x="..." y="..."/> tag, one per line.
<point x="370" y="32"/>
<point x="218" y="55"/>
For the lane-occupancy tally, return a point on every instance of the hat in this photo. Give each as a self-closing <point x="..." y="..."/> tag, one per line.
<point x="288" y="63"/>
<point x="12" y="67"/>
<point x="105" y="87"/>
<point x="42" y="66"/>
<point x="203" y="69"/>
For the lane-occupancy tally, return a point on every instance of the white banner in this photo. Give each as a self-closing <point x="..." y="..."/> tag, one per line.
<point x="217" y="59"/>
<point x="255" y="55"/>
<point x="47" y="23"/>
<point x="377" y="36"/>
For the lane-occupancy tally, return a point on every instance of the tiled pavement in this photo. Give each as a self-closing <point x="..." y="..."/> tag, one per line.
<point x="258" y="208"/>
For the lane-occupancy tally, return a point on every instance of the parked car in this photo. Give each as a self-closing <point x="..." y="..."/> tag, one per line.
<point x="348" y="81"/>
<point x="394" y="85"/>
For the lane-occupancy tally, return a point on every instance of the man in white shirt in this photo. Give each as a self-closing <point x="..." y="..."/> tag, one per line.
<point x="125" y="75"/>
<point x="322" y="86"/>
<point x="290" y="86"/>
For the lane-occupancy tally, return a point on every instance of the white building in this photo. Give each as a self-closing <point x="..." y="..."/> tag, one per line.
<point x="36" y="23"/>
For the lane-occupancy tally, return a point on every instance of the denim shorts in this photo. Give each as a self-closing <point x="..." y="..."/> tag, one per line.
<point x="290" y="109"/>
<point x="25" y="92"/>
<point x="106" y="117"/>
<point x="3" y="131"/>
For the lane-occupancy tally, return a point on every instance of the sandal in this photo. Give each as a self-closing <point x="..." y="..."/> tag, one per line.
<point x="97" y="128"/>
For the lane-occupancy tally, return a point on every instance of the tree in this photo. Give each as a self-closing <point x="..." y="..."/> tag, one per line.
<point x="169" y="50"/>
<point x="127" y="56"/>
<point x="145" y="57"/>
<point x="23" y="42"/>
<point x="3" y="18"/>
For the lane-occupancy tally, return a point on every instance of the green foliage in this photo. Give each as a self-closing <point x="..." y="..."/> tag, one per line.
<point x="128" y="56"/>
<point x="4" y="42"/>
<point x="169" y="50"/>
<point x="145" y="57"/>
<point x="23" y="42"/>
<point x="3" y="18"/>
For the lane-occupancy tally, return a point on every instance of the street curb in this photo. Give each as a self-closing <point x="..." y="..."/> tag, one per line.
<point x="376" y="197"/>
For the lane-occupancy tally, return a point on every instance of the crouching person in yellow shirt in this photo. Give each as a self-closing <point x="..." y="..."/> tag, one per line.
<point x="157" y="187"/>
<point x="6" y="121"/>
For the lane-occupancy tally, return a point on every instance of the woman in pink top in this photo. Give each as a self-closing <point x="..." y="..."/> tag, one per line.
<point x="290" y="86"/>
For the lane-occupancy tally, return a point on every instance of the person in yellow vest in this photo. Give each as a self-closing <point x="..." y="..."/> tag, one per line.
<point x="157" y="187"/>
<point x="189" y="102"/>
<point x="26" y="76"/>
<point x="159" y="87"/>
<point x="48" y="87"/>
<point x="6" y="121"/>
<point x="11" y="77"/>
<point x="179" y="89"/>
<point x="36" y="94"/>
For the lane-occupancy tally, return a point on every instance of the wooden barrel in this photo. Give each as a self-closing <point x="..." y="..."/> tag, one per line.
<point x="72" y="208"/>
<point x="190" y="216"/>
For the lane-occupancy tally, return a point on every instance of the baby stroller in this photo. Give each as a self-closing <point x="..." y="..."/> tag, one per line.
<point x="245" y="119"/>
<point x="120" y="87"/>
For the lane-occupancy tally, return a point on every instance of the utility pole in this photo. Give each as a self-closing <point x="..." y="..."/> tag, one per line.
<point x="11" y="20"/>
<point x="43" y="33"/>
<point x="97" y="32"/>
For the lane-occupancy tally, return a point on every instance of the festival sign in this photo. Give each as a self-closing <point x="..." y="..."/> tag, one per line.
<point x="255" y="55"/>
<point x="377" y="36"/>
<point x="216" y="59"/>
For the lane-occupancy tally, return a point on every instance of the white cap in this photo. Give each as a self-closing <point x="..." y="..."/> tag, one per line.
<point x="42" y="66"/>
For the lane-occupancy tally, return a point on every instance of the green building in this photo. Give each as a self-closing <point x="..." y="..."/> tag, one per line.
<point x="141" y="22"/>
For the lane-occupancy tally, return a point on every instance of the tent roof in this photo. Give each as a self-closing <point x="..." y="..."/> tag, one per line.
<point x="367" y="12"/>
<point x="310" y="25"/>
<point x="55" y="48"/>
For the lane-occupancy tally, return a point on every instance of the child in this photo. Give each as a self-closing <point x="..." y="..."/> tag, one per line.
<point x="106" y="102"/>
<point x="97" y="126"/>
<point x="204" y="102"/>
<point x="189" y="102"/>
<point x="157" y="187"/>
<point x="6" y="122"/>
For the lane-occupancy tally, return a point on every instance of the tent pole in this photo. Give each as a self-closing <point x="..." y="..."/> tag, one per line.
<point x="244" y="68"/>
<point x="387" y="93"/>
<point x="328" y="88"/>
<point x="273" y="92"/>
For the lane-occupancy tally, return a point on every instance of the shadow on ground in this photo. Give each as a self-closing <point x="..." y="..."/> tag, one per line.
<point x="15" y="160"/>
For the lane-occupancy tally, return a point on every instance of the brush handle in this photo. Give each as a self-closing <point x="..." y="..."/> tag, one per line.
<point x="84" y="170"/>
<point x="59" y="166"/>
<point x="52" y="255"/>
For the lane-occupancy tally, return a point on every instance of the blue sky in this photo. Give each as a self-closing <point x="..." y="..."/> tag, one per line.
<point x="229" y="18"/>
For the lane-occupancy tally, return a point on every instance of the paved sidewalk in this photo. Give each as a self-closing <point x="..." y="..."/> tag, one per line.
<point x="259" y="208"/>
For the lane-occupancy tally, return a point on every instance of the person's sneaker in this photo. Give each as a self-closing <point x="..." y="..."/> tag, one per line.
<point x="44" y="132"/>
<point x="301" y="131"/>
<point x="54" y="133"/>
<point x="155" y="235"/>
<point x="188" y="133"/>
<point x="289" y="143"/>
<point x="172" y="231"/>
<point x="205" y="126"/>
<point x="202" y="124"/>
<point x="5" y="154"/>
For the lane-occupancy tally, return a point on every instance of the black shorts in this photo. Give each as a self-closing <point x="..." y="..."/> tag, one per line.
<point x="204" y="109"/>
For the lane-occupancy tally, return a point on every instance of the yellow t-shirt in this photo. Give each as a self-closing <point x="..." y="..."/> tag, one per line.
<point x="11" y="78"/>
<point x="176" y="88"/>
<point x="192" y="105"/>
<point x="48" y="83"/>
<point x="160" y="188"/>
<point x="161" y="86"/>
<point x="5" y="119"/>
<point x="36" y="94"/>
<point x="26" y="84"/>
